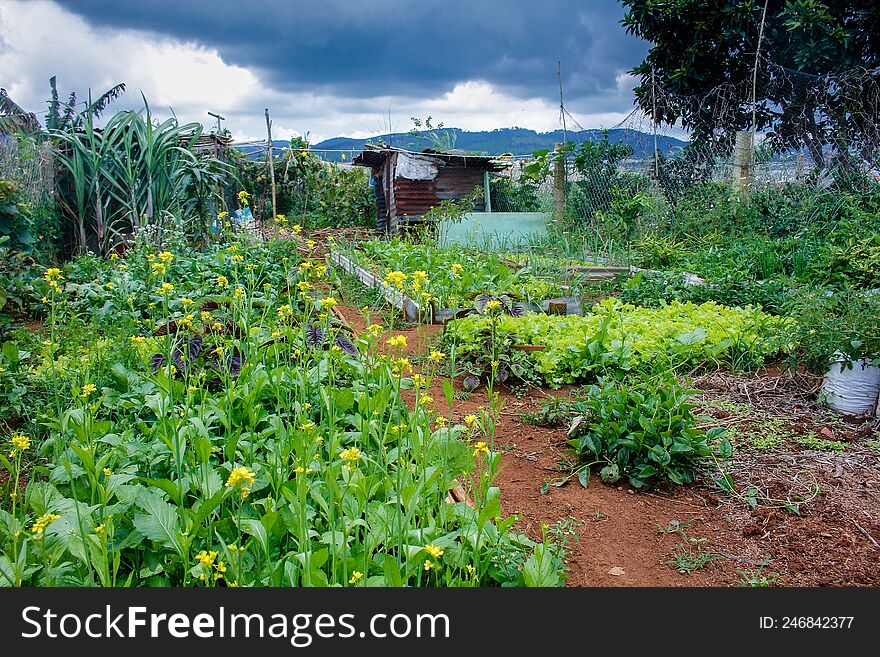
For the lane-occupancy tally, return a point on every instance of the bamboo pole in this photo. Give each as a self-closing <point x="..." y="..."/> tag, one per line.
<point x="271" y="158"/>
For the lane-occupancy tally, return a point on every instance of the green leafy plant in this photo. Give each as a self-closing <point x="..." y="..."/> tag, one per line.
<point x="645" y="431"/>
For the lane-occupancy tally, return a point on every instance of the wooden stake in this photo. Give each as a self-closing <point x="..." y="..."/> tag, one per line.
<point x="558" y="185"/>
<point x="270" y="156"/>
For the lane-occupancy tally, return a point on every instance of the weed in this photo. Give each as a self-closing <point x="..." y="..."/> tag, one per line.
<point x="757" y="578"/>
<point x="811" y="441"/>
<point x="689" y="555"/>
<point x="687" y="559"/>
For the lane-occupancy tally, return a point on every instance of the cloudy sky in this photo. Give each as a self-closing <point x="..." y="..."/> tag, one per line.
<point x="353" y="68"/>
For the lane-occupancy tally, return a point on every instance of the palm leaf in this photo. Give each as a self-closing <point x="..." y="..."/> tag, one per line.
<point x="15" y="119"/>
<point x="106" y="98"/>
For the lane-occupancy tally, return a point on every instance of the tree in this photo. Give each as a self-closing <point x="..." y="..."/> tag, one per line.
<point x="818" y="72"/>
<point x="13" y="118"/>
<point x="59" y="117"/>
<point x="58" y="121"/>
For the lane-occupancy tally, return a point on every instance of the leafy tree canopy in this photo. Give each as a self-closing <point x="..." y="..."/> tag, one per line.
<point x="818" y="80"/>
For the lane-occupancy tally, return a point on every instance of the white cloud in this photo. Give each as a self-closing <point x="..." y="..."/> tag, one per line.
<point x="40" y="39"/>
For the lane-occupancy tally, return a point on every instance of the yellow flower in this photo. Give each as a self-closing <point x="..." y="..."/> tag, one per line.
<point x="304" y="286"/>
<point x="207" y="558"/>
<point x="280" y="219"/>
<point x="470" y="421"/>
<point x="305" y="265"/>
<point x="251" y="266"/>
<point x="42" y="522"/>
<point x="328" y="302"/>
<point x="222" y="215"/>
<point x="428" y="564"/>
<point x="20" y="441"/>
<point x="99" y="529"/>
<point x="109" y="285"/>
<point x="355" y="577"/>
<point x="137" y="340"/>
<point x="480" y="448"/>
<point x="165" y="288"/>
<point x="493" y="304"/>
<point x="311" y="244"/>
<point x="243" y="197"/>
<point x="122" y="267"/>
<point x="297" y="228"/>
<point x="319" y="271"/>
<point x="107" y="472"/>
<point x="350" y="455"/>
<point x="284" y="311"/>
<point x="434" y="551"/>
<point x="395" y="279"/>
<point x="114" y="256"/>
<point x="307" y="426"/>
<point x="440" y="421"/>
<point x="240" y="292"/>
<point x="166" y="257"/>
<point x="457" y="269"/>
<point x="160" y="268"/>
<point x="237" y="258"/>
<point x="426" y="400"/>
<point x="436" y="356"/>
<point x="222" y="281"/>
<point x="241" y="476"/>
<point x="88" y="389"/>
<point x="418" y="380"/>
<point x="53" y="274"/>
<point x="375" y="330"/>
<point x="397" y="341"/>
<point x="232" y="248"/>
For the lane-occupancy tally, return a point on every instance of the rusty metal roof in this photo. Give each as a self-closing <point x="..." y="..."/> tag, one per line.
<point x="375" y="157"/>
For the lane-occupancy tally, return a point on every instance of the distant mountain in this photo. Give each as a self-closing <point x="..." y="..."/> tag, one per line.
<point x="517" y="141"/>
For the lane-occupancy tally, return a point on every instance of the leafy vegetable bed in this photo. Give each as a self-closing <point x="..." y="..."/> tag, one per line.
<point x="622" y="337"/>
<point x="206" y="423"/>
<point x="449" y="276"/>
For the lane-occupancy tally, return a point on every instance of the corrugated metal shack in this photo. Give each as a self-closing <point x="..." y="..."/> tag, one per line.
<point x="207" y="143"/>
<point x="409" y="184"/>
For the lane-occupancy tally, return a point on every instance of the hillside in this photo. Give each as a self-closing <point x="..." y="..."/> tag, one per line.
<point x="518" y="141"/>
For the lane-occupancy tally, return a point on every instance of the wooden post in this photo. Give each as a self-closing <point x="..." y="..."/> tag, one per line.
<point x="557" y="308"/>
<point x="486" y="192"/>
<point x="271" y="156"/>
<point x="558" y="185"/>
<point x="743" y="161"/>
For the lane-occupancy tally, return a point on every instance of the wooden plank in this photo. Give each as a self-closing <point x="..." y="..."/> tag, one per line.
<point x="410" y="308"/>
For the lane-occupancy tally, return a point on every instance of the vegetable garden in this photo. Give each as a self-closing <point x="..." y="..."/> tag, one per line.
<point x="189" y="400"/>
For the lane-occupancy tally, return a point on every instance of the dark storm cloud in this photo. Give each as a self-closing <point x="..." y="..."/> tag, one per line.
<point x="366" y="48"/>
